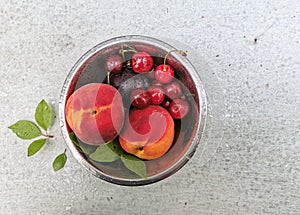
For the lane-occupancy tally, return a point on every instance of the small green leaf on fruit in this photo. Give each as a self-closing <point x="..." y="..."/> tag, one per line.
<point x="134" y="164"/>
<point x="43" y="115"/>
<point x="85" y="148"/>
<point x="107" y="153"/>
<point x="35" y="146"/>
<point x="26" y="130"/>
<point x="59" y="162"/>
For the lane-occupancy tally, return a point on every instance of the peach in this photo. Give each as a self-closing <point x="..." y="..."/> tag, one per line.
<point x="95" y="113"/>
<point x="147" y="133"/>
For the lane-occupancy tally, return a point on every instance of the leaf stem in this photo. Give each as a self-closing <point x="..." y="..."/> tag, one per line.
<point x="47" y="135"/>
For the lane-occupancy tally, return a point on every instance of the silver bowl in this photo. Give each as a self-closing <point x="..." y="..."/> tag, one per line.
<point x="190" y="132"/>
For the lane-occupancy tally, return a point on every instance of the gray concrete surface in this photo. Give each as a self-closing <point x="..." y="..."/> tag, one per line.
<point x="256" y="166"/>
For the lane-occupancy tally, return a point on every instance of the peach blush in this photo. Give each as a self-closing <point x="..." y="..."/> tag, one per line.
<point x="95" y="113"/>
<point x="148" y="133"/>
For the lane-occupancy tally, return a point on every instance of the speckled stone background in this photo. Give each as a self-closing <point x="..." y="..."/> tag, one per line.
<point x="254" y="161"/>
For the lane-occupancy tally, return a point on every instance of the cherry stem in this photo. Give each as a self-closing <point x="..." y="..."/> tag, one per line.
<point x="128" y="46"/>
<point x="47" y="135"/>
<point x="165" y="59"/>
<point x="108" y="77"/>
<point x="122" y="53"/>
<point x="128" y="50"/>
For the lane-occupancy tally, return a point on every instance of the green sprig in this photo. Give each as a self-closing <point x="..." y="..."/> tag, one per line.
<point x="111" y="152"/>
<point x="28" y="130"/>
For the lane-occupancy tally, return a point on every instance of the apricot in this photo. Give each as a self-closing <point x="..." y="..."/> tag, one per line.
<point x="147" y="133"/>
<point x="95" y="113"/>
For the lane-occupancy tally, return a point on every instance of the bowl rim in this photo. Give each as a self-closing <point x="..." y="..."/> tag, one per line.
<point x="200" y="125"/>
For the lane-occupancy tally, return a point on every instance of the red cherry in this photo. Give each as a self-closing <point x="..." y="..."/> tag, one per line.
<point x="157" y="94"/>
<point x="164" y="73"/>
<point x="140" y="98"/>
<point x="173" y="90"/>
<point x="141" y="62"/>
<point x="179" y="108"/>
<point x="114" y="64"/>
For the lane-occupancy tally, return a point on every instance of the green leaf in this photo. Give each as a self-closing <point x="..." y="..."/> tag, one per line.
<point x="26" y="130"/>
<point x="59" y="161"/>
<point x="35" y="146"/>
<point x="43" y="115"/>
<point x="85" y="148"/>
<point x="134" y="164"/>
<point x="107" y="153"/>
<point x="74" y="140"/>
<point x="115" y="146"/>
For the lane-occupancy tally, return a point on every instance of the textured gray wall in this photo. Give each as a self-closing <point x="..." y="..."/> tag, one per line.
<point x="255" y="129"/>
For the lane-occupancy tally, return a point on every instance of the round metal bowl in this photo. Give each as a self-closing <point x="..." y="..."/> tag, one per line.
<point x="191" y="130"/>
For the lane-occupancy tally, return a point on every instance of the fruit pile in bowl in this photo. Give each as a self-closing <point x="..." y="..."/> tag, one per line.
<point x="133" y="110"/>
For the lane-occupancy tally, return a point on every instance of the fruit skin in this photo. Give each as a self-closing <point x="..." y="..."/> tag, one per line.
<point x="173" y="90"/>
<point x="136" y="81"/>
<point x="95" y="113"/>
<point x="157" y="94"/>
<point x="179" y="108"/>
<point x="140" y="98"/>
<point x="141" y="135"/>
<point x="114" y="64"/>
<point x="141" y="62"/>
<point x="164" y="73"/>
<point x="117" y="79"/>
